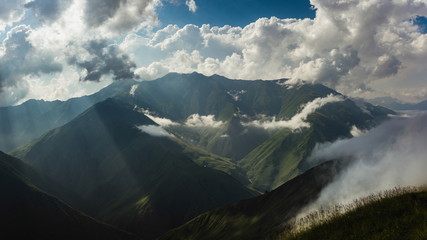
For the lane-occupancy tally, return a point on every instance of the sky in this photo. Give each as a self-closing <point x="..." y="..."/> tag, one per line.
<point x="58" y="49"/>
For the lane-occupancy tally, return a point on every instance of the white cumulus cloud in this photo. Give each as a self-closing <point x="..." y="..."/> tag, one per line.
<point x="365" y="48"/>
<point x="361" y="48"/>
<point x="191" y="4"/>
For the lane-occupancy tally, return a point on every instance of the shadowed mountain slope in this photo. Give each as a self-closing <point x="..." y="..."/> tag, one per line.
<point x="29" y="213"/>
<point x="20" y="124"/>
<point x="140" y="182"/>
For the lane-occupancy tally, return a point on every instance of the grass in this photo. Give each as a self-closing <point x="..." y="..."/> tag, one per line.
<point x="399" y="213"/>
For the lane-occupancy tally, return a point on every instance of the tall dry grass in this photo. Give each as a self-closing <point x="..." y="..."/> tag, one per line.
<point x="326" y="214"/>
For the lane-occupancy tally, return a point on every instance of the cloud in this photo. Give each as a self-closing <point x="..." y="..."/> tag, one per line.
<point x="104" y="59"/>
<point x="355" y="132"/>
<point x="60" y="48"/>
<point x="387" y="66"/>
<point x="195" y="120"/>
<point x="392" y="154"/>
<point x="19" y="61"/>
<point x="133" y="89"/>
<point x="164" y="122"/>
<point x="327" y="70"/>
<point x="358" y="47"/>
<point x="119" y="15"/>
<point x="298" y="121"/>
<point x="364" y="48"/>
<point x="155" y="131"/>
<point x="191" y="4"/>
<point x="10" y="12"/>
<point x="48" y="10"/>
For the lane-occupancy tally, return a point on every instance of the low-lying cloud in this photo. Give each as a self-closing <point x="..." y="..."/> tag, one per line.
<point x="196" y="120"/>
<point x="392" y="154"/>
<point x="154" y="130"/>
<point x="193" y="121"/>
<point x="298" y="121"/>
<point x="164" y="122"/>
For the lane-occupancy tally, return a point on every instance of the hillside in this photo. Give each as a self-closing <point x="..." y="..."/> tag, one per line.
<point x="400" y="217"/>
<point x="20" y="124"/>
<point x="29" y="213"/>
<point x="222" y="116"/>
<point x="227" y="117"/>
<point x="140" y="182"/>
<point x="261" y="216"/>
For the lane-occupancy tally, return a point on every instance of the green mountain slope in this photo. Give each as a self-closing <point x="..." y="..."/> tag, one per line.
<point x="20" y="124"/>
<point x="270" y="157"/>
<point x="139" y="182"/>
<point x="283" y="155"/>
<point x="261" y="216"/>
<point x="29" y="213"/>
<point x="401" y="217"/>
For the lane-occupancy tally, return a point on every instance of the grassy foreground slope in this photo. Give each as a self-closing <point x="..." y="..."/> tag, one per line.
<point x="401" y="217"/>
<point x="29" y="213"/>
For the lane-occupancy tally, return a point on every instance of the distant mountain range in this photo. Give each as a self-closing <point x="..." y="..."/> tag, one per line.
<point x="147" y="157"/>
<point x="397" y="105"/>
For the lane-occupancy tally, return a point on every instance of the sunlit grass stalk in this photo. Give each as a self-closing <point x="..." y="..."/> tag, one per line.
<point x="326" y="214"/>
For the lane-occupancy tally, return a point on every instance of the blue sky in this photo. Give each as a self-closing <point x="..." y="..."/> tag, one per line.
<point x="234" y="13"/>
<point x="421" y="21"/>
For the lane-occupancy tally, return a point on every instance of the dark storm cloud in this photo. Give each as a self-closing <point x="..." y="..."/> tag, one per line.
<point x="106" y="59"/>
<point x="387" y="66"/>
<point x="118" y="15"/>
<point x="48" y="10"/>
<point x="98" y="11"/>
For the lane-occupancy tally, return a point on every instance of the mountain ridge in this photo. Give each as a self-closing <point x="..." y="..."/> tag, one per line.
<point x="142" y="183"/>
<point x="28" y="212"/>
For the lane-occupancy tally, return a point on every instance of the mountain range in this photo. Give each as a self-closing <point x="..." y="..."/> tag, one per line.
<point x="127" y="177"/>
<point x="397" y="105"/>
<point x="27" y="212"/>
<point x="147" y="157"/>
